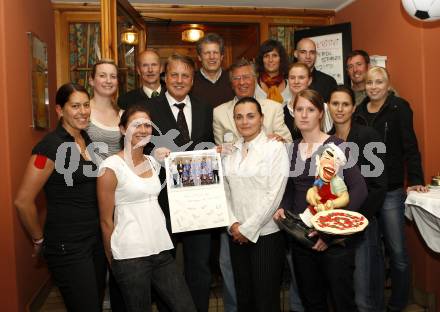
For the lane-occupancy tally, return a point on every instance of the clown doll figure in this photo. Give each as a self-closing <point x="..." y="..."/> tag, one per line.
<point x="329" y="190"/>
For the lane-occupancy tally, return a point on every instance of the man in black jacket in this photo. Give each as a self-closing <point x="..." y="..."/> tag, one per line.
<point x="305" y="52"/>
<point x="176" y="110"/>
<point x="149" y="68"/>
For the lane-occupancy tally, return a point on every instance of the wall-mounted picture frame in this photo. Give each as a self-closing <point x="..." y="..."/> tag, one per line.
<point x="39" y="82"/>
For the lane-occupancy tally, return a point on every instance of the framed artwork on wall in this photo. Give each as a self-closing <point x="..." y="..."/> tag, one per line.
<point x="39" y="82"/>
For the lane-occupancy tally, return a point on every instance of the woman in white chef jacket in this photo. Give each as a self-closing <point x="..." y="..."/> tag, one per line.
<point x="256" y="174"/>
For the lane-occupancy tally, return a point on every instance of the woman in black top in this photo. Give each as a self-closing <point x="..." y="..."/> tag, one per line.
<point x="71" y="240"/>
<point x="322" y="269"/>
<point x="392" y="117"/>
<point x="369" y="266"/>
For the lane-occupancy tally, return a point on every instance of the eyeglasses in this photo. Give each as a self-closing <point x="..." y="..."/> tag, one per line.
<point x="244" y="77"/>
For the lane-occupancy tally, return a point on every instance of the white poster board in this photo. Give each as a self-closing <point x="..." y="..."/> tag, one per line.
<point x="196" y="193"/>
<point x="330" y="58"/>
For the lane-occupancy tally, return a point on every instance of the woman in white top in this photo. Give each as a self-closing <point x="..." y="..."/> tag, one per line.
<point x="105" y="115"/>
<point x="299" y="79"/>
<point x="136" y="241"/>
<point x="256" y="174"/>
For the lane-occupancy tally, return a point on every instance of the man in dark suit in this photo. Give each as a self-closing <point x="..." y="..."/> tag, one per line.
<point x="149" y="68"/>
<point x="305" y="52"/>
<point x="176" y="110"/>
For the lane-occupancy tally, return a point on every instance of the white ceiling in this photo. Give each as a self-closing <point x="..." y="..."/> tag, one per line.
<point x="292" y="4"/>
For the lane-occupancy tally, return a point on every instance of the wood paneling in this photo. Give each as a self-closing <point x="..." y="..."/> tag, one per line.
<point x="241" y="40"/>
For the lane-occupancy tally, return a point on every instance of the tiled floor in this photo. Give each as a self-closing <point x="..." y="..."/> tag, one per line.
<point x="54" y="303"/>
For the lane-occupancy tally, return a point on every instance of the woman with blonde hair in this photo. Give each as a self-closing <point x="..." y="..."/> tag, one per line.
<point x="103" y="130"/>
<point x="105" y="114"/>
<point x="299" y="78"/>
<point x="392" y="117"/>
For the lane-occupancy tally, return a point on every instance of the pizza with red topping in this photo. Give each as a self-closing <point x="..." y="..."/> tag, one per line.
<point x="339" y="222"/>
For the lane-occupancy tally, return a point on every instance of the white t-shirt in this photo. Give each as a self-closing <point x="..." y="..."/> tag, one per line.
<point x="140" y="227"/>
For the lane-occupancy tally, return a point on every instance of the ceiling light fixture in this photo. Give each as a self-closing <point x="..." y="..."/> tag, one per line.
<point x="192" y="34"/>
<point x="130" y="36"/>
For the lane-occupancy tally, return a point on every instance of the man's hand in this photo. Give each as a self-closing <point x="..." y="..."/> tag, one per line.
<point x="161" y="153"/>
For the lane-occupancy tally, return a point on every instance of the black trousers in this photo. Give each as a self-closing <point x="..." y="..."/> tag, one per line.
<point x="78" y="269"/>
<point x="196" y="254"/>
<point x="321" y="273"/>
<point x="258" y="271"/>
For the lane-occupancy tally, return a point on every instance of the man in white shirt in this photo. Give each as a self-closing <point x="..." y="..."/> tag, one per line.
<point x="243" y="79"/>
<point x="149" y="68"/>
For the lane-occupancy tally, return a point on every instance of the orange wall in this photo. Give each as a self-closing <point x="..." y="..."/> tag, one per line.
<point x="20" y="275"/>
<point x="412" y="47"/>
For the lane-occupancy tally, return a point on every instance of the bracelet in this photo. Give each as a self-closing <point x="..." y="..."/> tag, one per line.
<point x="38" y="241"/>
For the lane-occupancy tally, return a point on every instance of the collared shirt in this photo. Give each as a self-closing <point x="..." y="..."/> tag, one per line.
<point x="186" y="109"/>
<point x="149" y="91"/>
<point x="255" y="185"/>
<point x="219" y="73"/>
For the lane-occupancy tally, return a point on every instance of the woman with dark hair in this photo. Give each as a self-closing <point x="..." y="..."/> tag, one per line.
<point x="323" y="269"/>
<point x="392" y="117"/>
<point x="255" y="178"/>
<point x="136" y="240"/>
<point x="71" y="239"/>
<point x="272" y="67"/>
<point x="369" y="265"/>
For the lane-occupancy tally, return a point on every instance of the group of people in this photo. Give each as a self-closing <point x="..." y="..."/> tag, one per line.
<point x="268" y="119"/>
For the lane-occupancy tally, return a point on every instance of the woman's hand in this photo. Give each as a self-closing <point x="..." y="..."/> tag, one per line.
<point x="279" y="214"/>
<point x="417" y="188"/>
<point x="276" y="137"/>
<point x="161" y="153"/>
<point x="224" y="149"/>
<point x="236" y="235"/>
<point x="320" y="245"/>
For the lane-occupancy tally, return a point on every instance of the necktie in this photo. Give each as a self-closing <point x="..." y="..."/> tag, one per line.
<point x="182" y="126"/>
<point x="154" y="94"/>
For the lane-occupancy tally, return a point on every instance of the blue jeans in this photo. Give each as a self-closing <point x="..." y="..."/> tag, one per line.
<point x="369" y="270"/>
<point x="391" y="221"/>
<point x="136" y="275"/>
<point x="229" y="295"/>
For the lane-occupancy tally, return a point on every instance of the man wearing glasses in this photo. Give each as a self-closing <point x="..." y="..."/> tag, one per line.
<point x="243" y="79"/>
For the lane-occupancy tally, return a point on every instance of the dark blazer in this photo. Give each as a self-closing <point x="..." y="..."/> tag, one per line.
<point x="164" y="121"/>
<point x="377" y="186"/>
<point x="136" y="96"/>
<point x="323" y="84"/>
